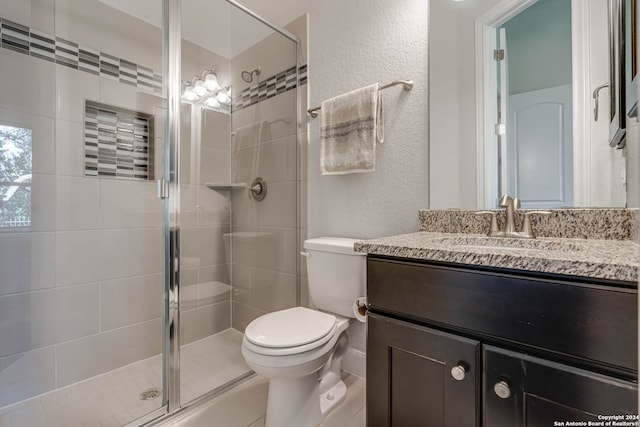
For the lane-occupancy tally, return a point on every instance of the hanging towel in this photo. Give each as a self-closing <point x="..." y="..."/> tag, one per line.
<point x="350" y="124"/>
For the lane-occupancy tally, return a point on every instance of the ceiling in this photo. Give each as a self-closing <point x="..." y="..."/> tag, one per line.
<point x="215" y="24"/>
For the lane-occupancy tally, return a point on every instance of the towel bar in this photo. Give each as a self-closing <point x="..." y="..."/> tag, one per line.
<point x="408" y="85"/>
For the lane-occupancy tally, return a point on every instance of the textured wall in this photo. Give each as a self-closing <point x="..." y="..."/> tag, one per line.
<point x="353" y="44"/>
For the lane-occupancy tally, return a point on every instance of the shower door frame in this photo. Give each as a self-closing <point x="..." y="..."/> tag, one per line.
<point x="172" y="39"/>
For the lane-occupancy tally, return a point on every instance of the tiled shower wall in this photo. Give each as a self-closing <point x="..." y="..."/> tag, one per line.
<point x="81" y="291"/>
<point x="264" y="145"/>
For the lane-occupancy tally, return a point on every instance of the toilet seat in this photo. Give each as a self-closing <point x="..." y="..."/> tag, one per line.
<point x="291" y="331"/>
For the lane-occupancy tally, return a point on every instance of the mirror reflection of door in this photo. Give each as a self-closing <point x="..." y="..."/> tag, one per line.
<point x="536" y="85"/>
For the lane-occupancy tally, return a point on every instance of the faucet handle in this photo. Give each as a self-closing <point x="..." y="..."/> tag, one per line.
<point x="527" y="229"/>
<point x="516" y="203"/>
<point x="494" y="230"/>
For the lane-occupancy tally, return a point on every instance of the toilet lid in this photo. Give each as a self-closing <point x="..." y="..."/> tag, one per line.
<point x="289" y="328"/>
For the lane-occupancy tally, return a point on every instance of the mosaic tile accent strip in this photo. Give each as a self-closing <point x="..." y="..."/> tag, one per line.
<point x="577" y="223"/>
<point x="116" y="142"/>
<point x="270" y="87"/>
<point x="38" y="44"/>
<point x="15" y="36"/>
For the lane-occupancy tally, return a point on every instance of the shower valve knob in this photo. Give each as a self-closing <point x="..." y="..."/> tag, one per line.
<point x="258" y="189"/>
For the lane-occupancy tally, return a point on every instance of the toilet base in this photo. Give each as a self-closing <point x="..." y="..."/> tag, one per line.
<point x="332" y="398"/>
<point x="297" y="401"/>
<point x="306" y="401"/>
<point x="293" y="402"/>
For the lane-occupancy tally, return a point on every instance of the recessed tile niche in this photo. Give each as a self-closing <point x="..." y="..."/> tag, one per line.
<point x="116" y="142"/>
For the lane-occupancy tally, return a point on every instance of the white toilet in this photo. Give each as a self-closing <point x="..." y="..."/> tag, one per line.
<point x="300" y="350"/>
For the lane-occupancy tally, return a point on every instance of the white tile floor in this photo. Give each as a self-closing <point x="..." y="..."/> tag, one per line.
<point x="245" y="406"/>
<point x="111" y="399"/>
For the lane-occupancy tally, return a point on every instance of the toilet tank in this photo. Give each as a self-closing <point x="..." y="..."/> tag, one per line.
<point x="337" y="274"/>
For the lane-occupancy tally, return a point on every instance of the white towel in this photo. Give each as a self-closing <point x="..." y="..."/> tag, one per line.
<point x="350" y="124"/>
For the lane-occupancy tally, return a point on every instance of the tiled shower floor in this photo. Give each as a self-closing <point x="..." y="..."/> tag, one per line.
<point x="111" y="399"/>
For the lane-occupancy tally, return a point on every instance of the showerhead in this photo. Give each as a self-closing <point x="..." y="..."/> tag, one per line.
<point x="247" y="76"/>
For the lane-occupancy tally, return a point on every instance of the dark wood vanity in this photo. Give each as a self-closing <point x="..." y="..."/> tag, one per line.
<point x="455" y="345"/>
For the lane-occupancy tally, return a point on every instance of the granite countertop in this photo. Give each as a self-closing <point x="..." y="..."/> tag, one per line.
<point x="593" y="258"/>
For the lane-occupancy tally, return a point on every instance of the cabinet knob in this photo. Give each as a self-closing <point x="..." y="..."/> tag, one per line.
<point x="502" y="389"/>
<point x="458" y="372"/>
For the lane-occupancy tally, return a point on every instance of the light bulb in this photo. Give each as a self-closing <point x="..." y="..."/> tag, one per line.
<point x="211" y="82"/>
<point x="200" y="88"/>
<point x="223" y="98"/>
<point x="190" y="94"/>
<point x="212" y="102"/>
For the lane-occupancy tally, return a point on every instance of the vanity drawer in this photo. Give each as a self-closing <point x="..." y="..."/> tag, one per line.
<point x="585" y="320"/>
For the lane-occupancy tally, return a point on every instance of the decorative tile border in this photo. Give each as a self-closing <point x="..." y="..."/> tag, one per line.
<point x="270" y="87"/>
<point x="116" y="142"/>
<point x="38" y="44"/>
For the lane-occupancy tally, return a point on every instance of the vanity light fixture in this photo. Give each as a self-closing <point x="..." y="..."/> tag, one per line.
<point x="200" y="89"/>
<point x="223" y="97"/>
<point x="205" y="90"/>
<point x="212" y="102"/>
<point x="189" y="93"/>
<point x="211" y="82"/>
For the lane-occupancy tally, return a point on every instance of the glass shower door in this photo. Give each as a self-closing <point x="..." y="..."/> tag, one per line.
<point x="238" y="123"/>
<point x="81" y="228"/>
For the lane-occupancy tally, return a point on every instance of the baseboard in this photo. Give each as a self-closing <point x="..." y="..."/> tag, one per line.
<point x="355" y="362"/>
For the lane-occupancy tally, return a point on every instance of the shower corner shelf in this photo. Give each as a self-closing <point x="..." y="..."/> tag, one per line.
<point x="225" y="187"/>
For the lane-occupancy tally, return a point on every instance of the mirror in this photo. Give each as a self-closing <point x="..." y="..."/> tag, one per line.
<point x="535" y="91"/>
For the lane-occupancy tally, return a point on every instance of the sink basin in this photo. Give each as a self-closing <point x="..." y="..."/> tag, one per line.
<point x="502" y="243"/>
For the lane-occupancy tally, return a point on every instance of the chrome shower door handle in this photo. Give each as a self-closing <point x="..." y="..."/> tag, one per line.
<point x="596" y="97"/>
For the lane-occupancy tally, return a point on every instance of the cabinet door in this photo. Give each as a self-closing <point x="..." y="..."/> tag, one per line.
<point x="521" y="390"/>
<point x="410" y="382"/>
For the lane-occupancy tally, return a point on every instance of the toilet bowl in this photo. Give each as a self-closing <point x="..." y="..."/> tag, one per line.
<point x="300" y="350"/>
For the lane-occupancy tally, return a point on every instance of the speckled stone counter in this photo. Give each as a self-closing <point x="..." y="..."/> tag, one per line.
<point x="572" y="223"/>
<point x="602" y="259"/>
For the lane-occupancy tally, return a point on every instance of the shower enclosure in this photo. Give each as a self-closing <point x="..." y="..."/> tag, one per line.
<point x="149" y="202"/>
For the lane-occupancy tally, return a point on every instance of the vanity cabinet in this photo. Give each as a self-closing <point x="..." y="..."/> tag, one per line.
<point x="410" y="382"/>
<point x="450" y="345"/>
<point x="521" y="390"/>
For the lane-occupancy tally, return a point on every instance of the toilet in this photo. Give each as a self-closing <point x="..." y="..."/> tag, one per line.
<point x="300" y="350"/>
